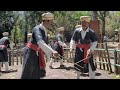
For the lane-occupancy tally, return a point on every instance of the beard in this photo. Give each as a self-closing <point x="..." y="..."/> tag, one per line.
<point x="84" y="28"/>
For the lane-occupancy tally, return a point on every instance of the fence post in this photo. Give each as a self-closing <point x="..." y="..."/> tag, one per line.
<point x="9" y="52"/>
<point x="115" y="62"/>
<point x="106" y="47"/>
<point x="119" y="58"/>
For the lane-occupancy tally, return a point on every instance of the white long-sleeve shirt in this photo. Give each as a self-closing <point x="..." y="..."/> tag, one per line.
<point x="83" y="34"/>
<point x="46" y="48"/>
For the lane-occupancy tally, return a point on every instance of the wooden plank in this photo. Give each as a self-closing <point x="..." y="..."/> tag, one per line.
<point x="108" y="57"/>
<point x="9" y="57"/>
<point x="17" y="54"/>
<point x="106" y="60"/>
<point x="103" y="59"/>
<point x="12" y="55"/>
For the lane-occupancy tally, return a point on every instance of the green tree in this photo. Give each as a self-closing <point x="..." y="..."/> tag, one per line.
<point x="102" y="15"/>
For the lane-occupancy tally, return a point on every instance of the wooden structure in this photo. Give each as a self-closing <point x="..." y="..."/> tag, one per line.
<point x="15" y="57"/>
<point x="95" y="25"/>
<point x="102" y="58"/>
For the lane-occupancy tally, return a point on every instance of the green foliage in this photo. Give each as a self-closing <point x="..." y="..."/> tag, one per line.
<point x="113" y="22"/>
<point x="7" y="21"/>
<point x="68" y="19"/>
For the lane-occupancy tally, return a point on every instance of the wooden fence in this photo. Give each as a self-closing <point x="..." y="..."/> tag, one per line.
<point x="104" y="58"/>
<point x="15" y="57"/>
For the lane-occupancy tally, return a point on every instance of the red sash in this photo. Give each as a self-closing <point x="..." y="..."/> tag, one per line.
<point x="41" y="54"/>
<point x="85" y="47"/>
<point x="4" y="46"/>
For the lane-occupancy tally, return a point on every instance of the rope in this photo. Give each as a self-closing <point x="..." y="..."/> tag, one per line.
<point x="76" y="62"/>
<point x="84" y="59"/>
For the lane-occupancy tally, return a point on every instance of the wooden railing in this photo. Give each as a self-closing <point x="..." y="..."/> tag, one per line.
<point x="15" y="57"/>
<point x="101" y="59"/>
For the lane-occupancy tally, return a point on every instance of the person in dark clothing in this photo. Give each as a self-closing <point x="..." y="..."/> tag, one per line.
<point x="4" y="44"/>
<point x="85" y="41"/>
<point x="58" y="46"/>
<point x="34" y="63"/>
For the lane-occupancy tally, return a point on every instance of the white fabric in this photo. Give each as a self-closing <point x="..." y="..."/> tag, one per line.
<point x="93" y="45"/>
<point x="5" y="37"/>
<point x="78" y="74"/>
<point x="47" y="49"/>
<point x="61" y="61"/>
<point x="72" y="44"/>
<point x="51" y="61"/>
<point x="83" y="33"/>
<point x="91" y="73"/>
<point x="0" y="68"/>
<point x="6" y="66"/>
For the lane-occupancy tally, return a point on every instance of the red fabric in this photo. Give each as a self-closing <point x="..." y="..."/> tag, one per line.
<point x="62" y="51"/>
<point x="3" y="46"/>
<point x="41" y="54"/>
<point x="85" y="47"/>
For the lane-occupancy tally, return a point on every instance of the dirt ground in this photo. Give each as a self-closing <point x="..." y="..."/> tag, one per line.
<point x="57" y="73"/>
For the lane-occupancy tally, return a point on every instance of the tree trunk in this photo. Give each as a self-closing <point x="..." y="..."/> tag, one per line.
<point x="95" y="15"/>
<point x="119" y="58"/>
<point x="26" y="30"/>
<point x="103" y="29"/>
<point x="15" y="41"/>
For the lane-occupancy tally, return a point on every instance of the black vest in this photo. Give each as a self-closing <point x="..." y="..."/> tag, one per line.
<point x="87" y="39"/>
<point x="44" y="38"/>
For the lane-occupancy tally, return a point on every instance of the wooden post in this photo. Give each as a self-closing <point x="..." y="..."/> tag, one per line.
<point x="21" y="56"/>
<point x="115" y="62"/>
<point x="95" y="56"/>
<point x="119" y="58"/>
<point x="12" y="51"/>
<point x="9" y="58"/>
<point x="103" y="59"/>
<point x="106" y="60"/>
<point x="17" y="54"/>
<point x="100" y="59"/>
<point x="108" y="57"/>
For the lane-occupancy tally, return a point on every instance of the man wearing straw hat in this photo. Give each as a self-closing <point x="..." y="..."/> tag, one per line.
<point x="58" y="46"/>
<point x="34" y="63"/>
<point x="85" y="40"/>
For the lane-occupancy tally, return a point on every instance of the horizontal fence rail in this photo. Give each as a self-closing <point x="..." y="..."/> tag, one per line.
<point x="15" y="57"/>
